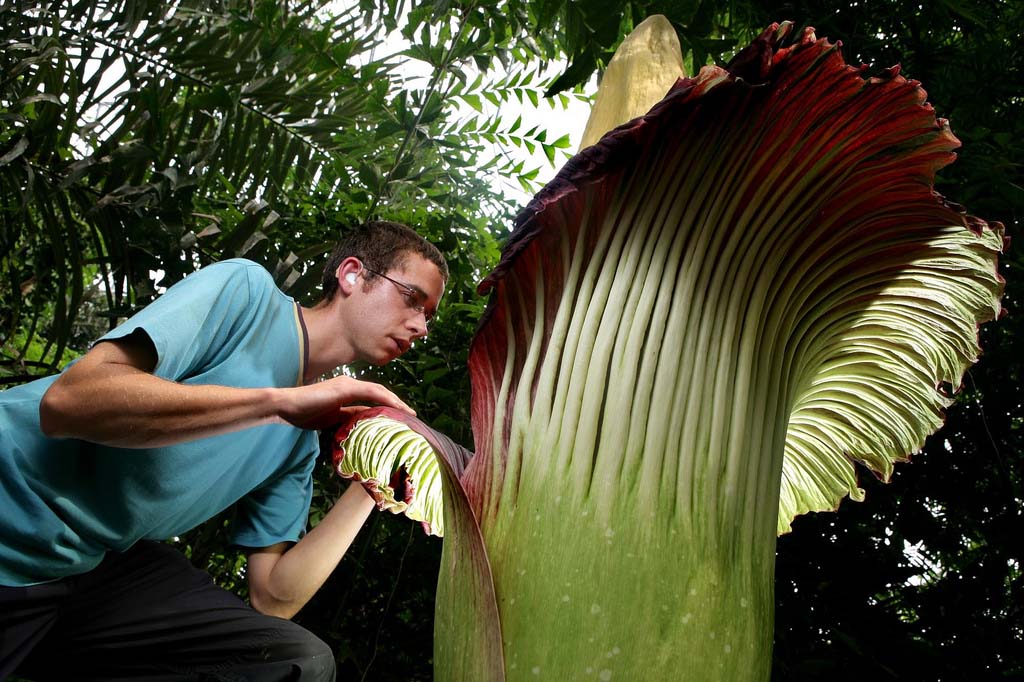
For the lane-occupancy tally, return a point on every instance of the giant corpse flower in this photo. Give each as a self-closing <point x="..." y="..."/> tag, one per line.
<point x="694" y="333"/>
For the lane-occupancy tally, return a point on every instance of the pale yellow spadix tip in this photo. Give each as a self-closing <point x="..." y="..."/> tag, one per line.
<point x="645" y="66"/>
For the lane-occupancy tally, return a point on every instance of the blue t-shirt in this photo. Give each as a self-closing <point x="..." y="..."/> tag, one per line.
<point x="65" y="502"/>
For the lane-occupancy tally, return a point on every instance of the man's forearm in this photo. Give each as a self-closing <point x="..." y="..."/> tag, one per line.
<point x="280" y="583"/>
<point x="130" y="408"/>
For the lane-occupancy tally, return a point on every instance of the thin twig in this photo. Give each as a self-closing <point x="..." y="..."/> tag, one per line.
<point x="387" y="606"/>
<point x="431" y="89"/>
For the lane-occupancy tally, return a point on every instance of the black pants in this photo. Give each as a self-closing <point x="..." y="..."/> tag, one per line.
<point x="148" y="614"/>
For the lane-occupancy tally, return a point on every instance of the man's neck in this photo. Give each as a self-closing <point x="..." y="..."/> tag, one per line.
<point x="328" y="349"/>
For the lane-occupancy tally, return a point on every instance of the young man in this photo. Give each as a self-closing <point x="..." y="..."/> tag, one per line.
<point x="201" y="401"/>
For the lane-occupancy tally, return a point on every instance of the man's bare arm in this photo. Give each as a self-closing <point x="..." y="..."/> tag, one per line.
<point x="283" y="579"/>
<point x="110" y="397"/>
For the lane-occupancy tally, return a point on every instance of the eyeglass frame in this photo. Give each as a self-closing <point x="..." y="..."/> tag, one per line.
<point x="411" y="293"/>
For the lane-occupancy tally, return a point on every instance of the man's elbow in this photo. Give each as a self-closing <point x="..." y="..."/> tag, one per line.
<point x="271" y="606"/>
<point x="54" y="412"/>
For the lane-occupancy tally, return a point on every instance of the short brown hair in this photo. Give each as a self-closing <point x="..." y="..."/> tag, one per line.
<point x="381" y="245"/>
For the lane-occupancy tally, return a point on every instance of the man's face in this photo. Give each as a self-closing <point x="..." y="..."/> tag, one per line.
<point x="392" y="310"/>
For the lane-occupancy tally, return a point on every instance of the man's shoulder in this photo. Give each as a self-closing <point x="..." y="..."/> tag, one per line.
<point x="234" y="267"/>
<point x="236" y="270"/>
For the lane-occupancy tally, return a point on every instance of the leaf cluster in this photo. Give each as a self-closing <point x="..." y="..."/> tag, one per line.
<point x="144" y="140"/>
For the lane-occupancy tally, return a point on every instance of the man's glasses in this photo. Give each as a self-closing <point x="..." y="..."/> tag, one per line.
<point x="414" y="298"/>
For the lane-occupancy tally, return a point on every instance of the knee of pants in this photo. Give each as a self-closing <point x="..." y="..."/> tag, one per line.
<point x="315" y="660"/>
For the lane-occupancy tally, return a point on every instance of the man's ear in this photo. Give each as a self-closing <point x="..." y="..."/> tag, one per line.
<point x="348" y="274"/>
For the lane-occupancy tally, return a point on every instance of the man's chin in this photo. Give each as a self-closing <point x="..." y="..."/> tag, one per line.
<point x="386" y="357"/>
<point x="383" y="354"/>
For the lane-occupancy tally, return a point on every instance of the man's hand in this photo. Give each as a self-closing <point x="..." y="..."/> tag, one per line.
<point x="324" y="404"/>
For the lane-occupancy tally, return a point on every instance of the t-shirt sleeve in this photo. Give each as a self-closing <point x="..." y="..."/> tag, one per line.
<point x="197" y="321"/>
<point x="277" y="511"/>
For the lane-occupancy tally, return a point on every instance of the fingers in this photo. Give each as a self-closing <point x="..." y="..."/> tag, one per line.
<point x="350" y="411"/>
<point x="389" y="399"/>
<point x="367" y="391"/>
<point x="324" y="405"/>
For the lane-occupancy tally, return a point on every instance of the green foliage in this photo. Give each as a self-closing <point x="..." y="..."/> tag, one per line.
<point x="143" y="140"/>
